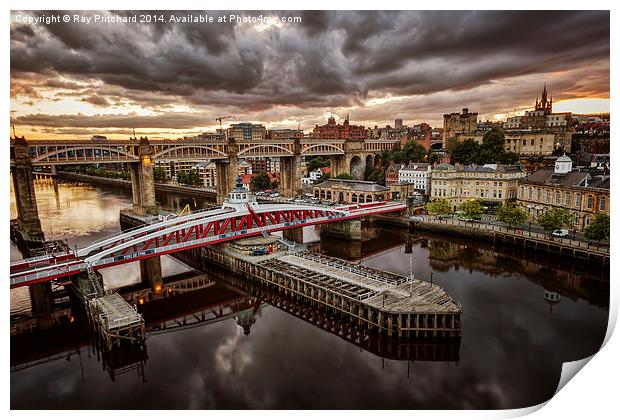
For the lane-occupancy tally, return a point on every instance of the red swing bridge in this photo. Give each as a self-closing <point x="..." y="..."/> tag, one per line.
<point x="240" y="216"/>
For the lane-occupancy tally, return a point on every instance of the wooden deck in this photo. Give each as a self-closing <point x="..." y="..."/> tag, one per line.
<point x="116" y="320"/>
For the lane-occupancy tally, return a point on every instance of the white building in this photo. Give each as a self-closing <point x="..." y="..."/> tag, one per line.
<point x="418" y="174"/>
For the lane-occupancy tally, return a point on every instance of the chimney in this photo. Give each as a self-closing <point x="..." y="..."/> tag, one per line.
<point x="465" y="110"/>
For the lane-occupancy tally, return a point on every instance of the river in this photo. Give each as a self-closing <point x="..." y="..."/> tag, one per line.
<point x="514" y="341"/>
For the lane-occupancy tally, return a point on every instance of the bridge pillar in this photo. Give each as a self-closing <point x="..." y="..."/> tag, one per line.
<point x="226" y="172"/>
<point x="354" y="150"/>
<point x="295" y="235"/>
<point x="143" y="181"/>
<point x="347" y="229"/>
<point x="150" y="273"/>
<point x="336" y="164"/>
<point x="28" y="220"/>
<point x="290" y="172"/>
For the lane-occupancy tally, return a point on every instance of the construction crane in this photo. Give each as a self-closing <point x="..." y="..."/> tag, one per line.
<point x="222" y="118"/>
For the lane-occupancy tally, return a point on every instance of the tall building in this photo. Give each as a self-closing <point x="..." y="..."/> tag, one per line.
<point x="398" y="123"/>
<point x="583" y="193"/>
<point x="333" y="131"/>
<point x="247" y="131"/>
<point x="455" y="123"/>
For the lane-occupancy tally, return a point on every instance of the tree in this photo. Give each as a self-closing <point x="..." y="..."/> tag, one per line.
<point x="493" y="145"/>
<point x="471" y="208"/>
<point x="511" y="215"/>
<point x="189" y="178"/>
<point x="344" y="176"/>
<point x="317" y="162"/>
<point x="378" y="176"/>
<point x="260" y="182"/>
<point x="432" y="157"/>
<point x="413" y="152"/>
<point x="465" y="152"/>
<point x="322" y="178"/>
<point x="598" y="230"/>
<point x="439" y="206"/>
<point x="555" y="219"/>
<point x="159" y="174"/>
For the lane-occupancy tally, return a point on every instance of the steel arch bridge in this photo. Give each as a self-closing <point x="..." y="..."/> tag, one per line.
<point x="201" y="228"/>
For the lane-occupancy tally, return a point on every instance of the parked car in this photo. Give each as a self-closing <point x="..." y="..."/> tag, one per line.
<point x="560" y="232"/>
<point x="470" y="219"/>
<point x="416" y="219"/>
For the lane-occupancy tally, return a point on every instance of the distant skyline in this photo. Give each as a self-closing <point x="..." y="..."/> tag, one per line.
<point x="173" y="79"/>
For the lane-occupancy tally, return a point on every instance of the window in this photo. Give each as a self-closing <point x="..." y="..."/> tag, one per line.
<point x="575" y="218"/>
<point x="494" y="193"/>
<point x="557" y="197"/>
<point x="567" y="199"/>
<point x="499" y="193"/>
<point x="529" y="193"/>
<point x="602" y="204"/>
<point x="548" y="198"/>
<point x="590" y="201"/>
<point x="532" y="142"/>
<point x="578" y="200"/>
<point x="538" y="194"/>
<point x="586" y="222"/>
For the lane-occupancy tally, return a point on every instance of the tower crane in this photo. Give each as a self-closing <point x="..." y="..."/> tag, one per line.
<point x="222" y="118"/>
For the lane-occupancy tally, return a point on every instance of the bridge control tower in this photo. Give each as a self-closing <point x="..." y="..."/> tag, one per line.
<point x="240" y="197"/>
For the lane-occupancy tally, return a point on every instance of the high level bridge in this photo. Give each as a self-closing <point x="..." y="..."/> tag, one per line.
<point x="240" y="216"/>
<point x="140" y="155"/>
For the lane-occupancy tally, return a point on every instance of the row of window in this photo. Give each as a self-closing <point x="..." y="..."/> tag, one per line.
<point x="564" y="200"/>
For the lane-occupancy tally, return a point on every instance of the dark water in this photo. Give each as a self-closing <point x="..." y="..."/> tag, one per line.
<point x="513" y="345"/>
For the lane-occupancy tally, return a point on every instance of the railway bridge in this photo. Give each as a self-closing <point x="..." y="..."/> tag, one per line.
<point x="141" y="155"/>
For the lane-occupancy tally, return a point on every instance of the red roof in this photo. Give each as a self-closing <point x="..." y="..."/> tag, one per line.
<point x="326" y="170"/>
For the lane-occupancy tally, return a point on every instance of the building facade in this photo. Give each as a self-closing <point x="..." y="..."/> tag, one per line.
<point x="418" y="174"/>
<point x="246" y="131"/>
<point x="350" y="191"/>
<point x="583" y="194"/>
<point x="284" y="134"/>
<point x="491" y="184"/>
<point x="391" y="173"/>
<point x="333" y="131"/>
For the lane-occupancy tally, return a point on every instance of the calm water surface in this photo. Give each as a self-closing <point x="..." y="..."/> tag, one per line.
<point x="513" y="345"/>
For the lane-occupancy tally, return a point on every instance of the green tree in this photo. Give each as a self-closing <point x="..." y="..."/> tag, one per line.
<point x="378" y="176"/>
<point x="598" y="229"/>
<point x="439" y="206"/>
<point x="260" y="182"/>
<point x="511" y="215"/>
<point x="555" y="219"/>
<point x="343" y="176"/>
<point x="493" y="146"/>
<point x="159" y="174"/>
<point x="189" y="178"/>
<point x="317" y="162"/>
<point x="413" y="152"/>
<point x="322" y="178"/>
<point x="466" y="152"/>
<point x="432" y="157"/>
<point x="471" y="208"/>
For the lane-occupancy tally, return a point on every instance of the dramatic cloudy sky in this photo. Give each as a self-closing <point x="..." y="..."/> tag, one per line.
<point x="170" y="79"/>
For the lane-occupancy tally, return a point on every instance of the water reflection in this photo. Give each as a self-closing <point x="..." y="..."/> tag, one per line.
<point x="510" y="354"/>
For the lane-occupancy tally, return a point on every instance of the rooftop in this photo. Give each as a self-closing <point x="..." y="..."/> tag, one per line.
<point x="352" y="184"/>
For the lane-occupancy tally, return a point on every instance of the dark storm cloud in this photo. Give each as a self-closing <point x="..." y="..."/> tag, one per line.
<point x="178" y="120"/>
<point x="331" y="59"/>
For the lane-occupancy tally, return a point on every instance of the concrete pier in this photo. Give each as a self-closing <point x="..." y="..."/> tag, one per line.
<point x="143" y="181"/>
<point x="386" y="303"/>
<point x="28" y="222"/>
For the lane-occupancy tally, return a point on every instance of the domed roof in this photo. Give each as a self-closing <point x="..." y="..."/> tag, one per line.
<point x="564" y="158"/>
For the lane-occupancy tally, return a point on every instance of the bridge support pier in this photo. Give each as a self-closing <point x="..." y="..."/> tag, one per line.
<point x="150" y="273"/>
<point x="295" y="235"/>
<point x="336" y="165"/>
<point x="290" y="172"/>
<point x="226" y="172"/>
<point x="28" y="221"/>
<point x="143" y="181"/>
<point x="348" y="229"/>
